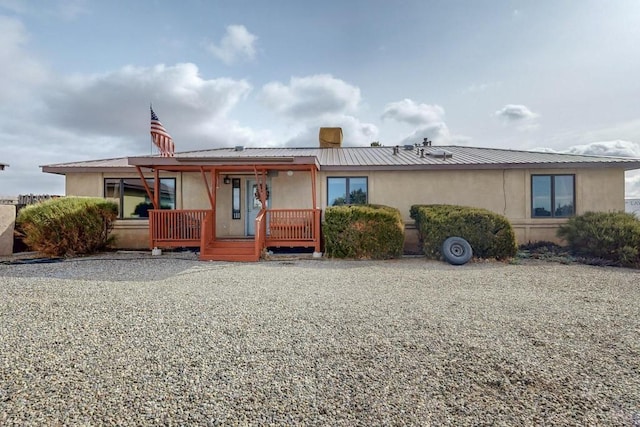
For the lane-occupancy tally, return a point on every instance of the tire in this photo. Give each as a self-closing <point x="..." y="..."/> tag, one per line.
<point x="456" y="251"/>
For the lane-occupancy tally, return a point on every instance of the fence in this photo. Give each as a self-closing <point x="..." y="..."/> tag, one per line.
<point x="26" y="199"/>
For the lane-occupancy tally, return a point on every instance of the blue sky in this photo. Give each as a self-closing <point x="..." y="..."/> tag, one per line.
<point x="77" y="77"/>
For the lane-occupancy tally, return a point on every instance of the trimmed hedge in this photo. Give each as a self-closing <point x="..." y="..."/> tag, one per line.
<point x="612" y="236"/>
<point x="68" y="225"/>
<point x="363" y="231"/>
<point x="489" y="234"/>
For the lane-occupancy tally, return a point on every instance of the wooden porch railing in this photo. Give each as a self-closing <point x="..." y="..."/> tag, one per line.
<point x="293" y="227"/>
<point x="175" y="228"/>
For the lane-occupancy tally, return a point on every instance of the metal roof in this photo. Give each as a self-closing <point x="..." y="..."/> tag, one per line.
<point x="371" y="158"/>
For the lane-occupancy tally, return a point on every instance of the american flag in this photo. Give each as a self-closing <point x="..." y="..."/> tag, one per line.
<point x="161" y="137"/>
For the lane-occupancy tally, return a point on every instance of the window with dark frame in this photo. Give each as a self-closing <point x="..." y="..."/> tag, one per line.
<point x="132" y="199"/>
<point x="235" y="198"/>
<point x="552" y="196"/>
<point x="349" y="190"/>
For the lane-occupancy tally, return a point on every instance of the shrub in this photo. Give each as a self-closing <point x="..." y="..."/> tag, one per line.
<point x="68" y="225"/>
<point x="612" y="236"/>
<point x="489" y="234"/>
<point x="363" y="231"/>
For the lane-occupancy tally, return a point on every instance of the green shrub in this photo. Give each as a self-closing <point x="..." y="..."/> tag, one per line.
<point x="68" y="225"/>
<point x="489" y="234"/>
<point x="613" y="236"/>
<point x="363" y="231"/>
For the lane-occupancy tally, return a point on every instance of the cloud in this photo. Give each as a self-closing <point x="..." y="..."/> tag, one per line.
<point x="308" y="97"/>
<point x="116" y="103"/>
<point x="355" y="133"/>
<point x="316" y="101"/>
<point x="21" y="73"/>
<point x="92" y="116"/>
<point x="618" y="148"/>
<point x="408" y="111"/>
<point x="238" y="43"/>
<point x="512" y="113"/>
<point x="428" y="120"/>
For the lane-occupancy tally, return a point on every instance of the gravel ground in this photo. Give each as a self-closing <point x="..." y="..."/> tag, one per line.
<point x="169" y="340"/>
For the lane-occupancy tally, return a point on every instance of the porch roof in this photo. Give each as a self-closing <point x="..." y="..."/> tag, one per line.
<point x="354" y="158"/>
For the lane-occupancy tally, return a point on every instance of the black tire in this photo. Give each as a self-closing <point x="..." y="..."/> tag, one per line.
<point x="456" y="251"/>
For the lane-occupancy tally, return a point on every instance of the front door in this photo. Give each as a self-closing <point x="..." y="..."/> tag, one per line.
<point x="253" y="206"/>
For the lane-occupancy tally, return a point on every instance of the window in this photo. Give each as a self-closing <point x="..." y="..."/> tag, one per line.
<point x="346" y="191"/>
<point x="132" y="198"/>
<point x="235" y="198"/>
<point x="552" y="196"/>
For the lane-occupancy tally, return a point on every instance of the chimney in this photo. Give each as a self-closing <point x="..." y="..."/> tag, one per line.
<point x="330" y="137"/>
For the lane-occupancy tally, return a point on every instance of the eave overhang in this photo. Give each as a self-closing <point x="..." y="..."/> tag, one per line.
<point x="482" y="166"/>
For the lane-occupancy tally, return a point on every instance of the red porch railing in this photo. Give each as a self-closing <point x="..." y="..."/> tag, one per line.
<point x="195" y="228"/>
<point x="176" y="228"/>
<point x="293" y="227"/>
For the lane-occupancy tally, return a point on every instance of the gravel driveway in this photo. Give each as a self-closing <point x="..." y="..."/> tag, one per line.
<point x="173" y="341"/>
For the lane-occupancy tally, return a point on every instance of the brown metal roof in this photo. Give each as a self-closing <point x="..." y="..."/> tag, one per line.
<point x="366" y="158"/>
<point x="120" y="164"/>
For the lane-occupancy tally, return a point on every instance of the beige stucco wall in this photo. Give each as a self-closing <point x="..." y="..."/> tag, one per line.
<point x="129" y="233"/>
<point x="507" y="192"/>
<point x="7" y="224"/>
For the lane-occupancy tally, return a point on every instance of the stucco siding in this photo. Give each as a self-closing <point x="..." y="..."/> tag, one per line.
<point x="506" y="192"/>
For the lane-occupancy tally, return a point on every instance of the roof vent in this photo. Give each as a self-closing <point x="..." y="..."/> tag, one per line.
<point x="441" y="154"/>
<point x="408" y="146"/>
<point x="239" y="148"/>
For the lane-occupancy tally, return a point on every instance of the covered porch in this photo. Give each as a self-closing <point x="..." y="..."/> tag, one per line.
<point x="273" y="226"/>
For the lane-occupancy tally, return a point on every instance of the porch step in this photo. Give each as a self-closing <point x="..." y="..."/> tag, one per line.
<point x="230" y="250"/>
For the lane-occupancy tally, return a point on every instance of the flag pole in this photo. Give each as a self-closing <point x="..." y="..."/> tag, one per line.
<point x="150" y="136"/>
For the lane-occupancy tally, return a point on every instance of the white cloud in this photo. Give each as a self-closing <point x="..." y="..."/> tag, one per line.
<point x="428" y="120"/>
<point x="408" y="111"/>
<point x="308" y="97"/>
<point x="94" y="116"/>
<point x="238" y="43"/>
<point x="607" y="148"/>
<point x="355" y="133"/>
<point x="116" y="103"/>
<point x="516" y="113"/>
<point x="20" y="72"/>
<point x="316" y="101"/>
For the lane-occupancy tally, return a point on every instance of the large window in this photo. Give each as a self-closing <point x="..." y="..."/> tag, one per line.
<point x="552" y="196"/>
<point x="132" y="198"/>
<point x="346" y="191"/>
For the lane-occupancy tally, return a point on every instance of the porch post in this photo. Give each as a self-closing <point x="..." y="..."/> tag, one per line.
<point x="156" y="189"/>
<point x="146" y="187"/>
<point x="316" y="212"/>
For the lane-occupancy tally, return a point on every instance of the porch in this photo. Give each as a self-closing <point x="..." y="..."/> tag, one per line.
<point x="287" y="226"/>
<point x="293" y="228"/>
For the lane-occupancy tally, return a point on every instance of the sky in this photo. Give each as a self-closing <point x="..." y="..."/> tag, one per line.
<point x="77" y="77"/>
